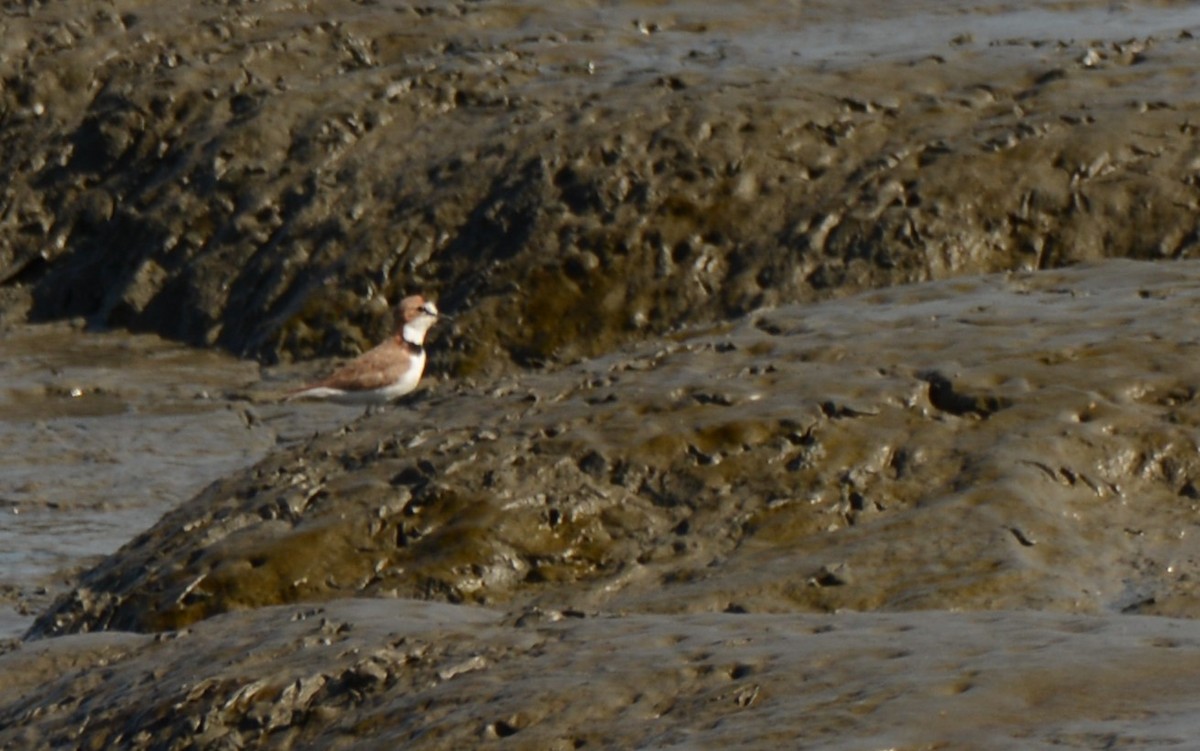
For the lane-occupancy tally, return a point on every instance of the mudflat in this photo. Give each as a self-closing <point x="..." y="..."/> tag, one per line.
<point x="820" y="374"/>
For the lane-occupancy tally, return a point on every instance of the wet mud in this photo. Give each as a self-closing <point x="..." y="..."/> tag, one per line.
<point x="103" y="433"/>
<point x="100" y="434"/>
<point x="1000" y="442"/>
<point x="571" y="179"/>
<point x="820" y="374"/>
<point x="997" y="471"/>
<point x="381" y="674"/>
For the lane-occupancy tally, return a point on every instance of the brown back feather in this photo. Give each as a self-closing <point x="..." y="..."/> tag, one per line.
<point x="375" y="368"/>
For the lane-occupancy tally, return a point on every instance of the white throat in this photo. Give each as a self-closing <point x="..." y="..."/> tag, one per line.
<point x="414" y="330"/>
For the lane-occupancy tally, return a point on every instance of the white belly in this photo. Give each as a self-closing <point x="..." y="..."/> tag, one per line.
<point x="407" y="381"/>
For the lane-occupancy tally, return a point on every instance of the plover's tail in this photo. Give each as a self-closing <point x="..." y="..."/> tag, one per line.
<point x="294" y="394"/>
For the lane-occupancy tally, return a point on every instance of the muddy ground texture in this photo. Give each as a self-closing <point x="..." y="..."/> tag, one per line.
<point x="385" y="674"/>
<point x="982" y="444"/>
<point x="1025" y="441"/>
<point x="653" y="452"/>
<point x="566" y="178"/>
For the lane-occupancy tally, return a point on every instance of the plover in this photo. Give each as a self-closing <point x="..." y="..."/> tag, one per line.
<point x="385" y="372"/>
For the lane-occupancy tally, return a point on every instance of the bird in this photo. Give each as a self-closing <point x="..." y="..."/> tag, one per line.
<point x="385" y="372"/>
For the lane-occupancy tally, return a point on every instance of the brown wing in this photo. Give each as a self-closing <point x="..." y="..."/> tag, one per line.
<point x="375" y="368"/>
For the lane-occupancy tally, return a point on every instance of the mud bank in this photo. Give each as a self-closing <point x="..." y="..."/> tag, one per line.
<point x="1019" y="441"/>
<point x="688" y="418"/>
<point x="396" y="673"/>
<point x="567" y="178"/>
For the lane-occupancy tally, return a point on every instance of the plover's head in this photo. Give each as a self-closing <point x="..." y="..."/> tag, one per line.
<point x="416" y="316"/>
